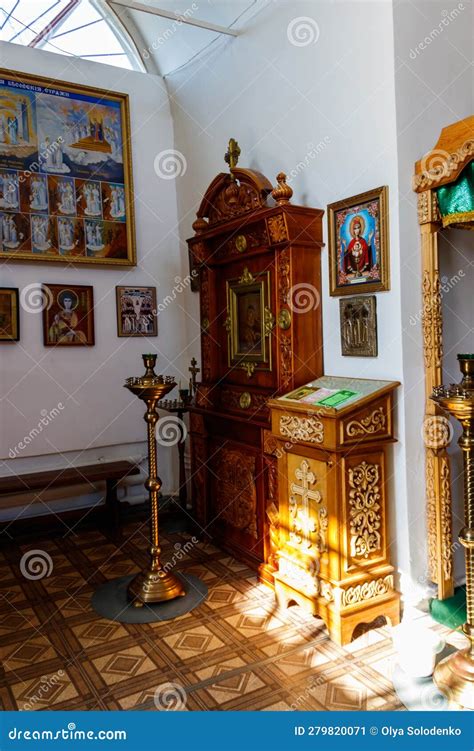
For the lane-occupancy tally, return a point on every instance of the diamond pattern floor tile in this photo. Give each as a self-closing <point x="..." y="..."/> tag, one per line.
<point x="237" y="650"/>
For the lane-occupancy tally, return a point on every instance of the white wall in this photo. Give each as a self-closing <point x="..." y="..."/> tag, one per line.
<point x="324" y="113"/>
<point x="99" y="419"/>
<point x="433" y="59"/>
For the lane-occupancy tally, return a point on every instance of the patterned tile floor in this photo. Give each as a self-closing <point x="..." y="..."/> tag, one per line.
<point x="235" y="651"/>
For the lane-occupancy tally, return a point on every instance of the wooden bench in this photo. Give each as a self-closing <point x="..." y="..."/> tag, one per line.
<point x="111" y="473"/>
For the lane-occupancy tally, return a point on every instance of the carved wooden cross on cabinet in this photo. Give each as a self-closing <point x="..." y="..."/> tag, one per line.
<point x="232" y="154"/>
<point x="303" y="525"/>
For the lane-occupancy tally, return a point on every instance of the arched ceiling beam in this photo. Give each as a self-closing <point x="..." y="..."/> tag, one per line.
<point x="132" y="5"/>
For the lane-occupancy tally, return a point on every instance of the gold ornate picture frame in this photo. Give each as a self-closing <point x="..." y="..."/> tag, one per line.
<point x="359" y="244"/>
<point x="249" y="321"/>
<point x="66" y="192"/>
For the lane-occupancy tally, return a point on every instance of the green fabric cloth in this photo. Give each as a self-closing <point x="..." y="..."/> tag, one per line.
<point x="450" y="612"/>
<point x="456" y="200"/>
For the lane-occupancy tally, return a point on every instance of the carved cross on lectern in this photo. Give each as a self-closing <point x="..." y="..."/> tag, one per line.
<point x="303" y="525"/>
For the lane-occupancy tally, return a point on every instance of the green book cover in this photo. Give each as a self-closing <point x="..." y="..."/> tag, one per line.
<point x="338" y="398"/>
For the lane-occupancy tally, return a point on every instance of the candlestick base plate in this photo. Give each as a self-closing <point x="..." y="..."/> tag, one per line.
<point x="454" y="676"/>
<point x="151" y="586"/>
<point x="111" y="601"/>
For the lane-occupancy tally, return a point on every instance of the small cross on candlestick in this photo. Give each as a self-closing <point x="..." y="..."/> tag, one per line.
<point x="194" y="371"/>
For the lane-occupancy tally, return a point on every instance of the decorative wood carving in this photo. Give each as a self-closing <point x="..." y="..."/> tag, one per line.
<point x="438" y="547"/>
<point x="431" y="526"/>
<point x="286" y="360"/>
<point x="204" y="296"/>
<point x="364" y="504"/>
<point x="423" y="207"/>
<point x="200" y="225"/>
<point x="236" y="494"/>
<point x="443" y="164"/>
<point x="367" y="590"/>
<point x="271" y="467"/>
<point x="249" y="368"/>
<point x="229" y="196"/>
<point x="374" y="422"/>
<point x="247" y="277"/>
<point x="284" y="277"/>
<point x="286" y="352"/>
<point x="449" y="168"/>
<point x="439" y="513"/>
<point x="233" y="399"/>
<point x="235" y="245"/>
<point x="282" y="193"/>
<point x="446" y="519"/>
<point x="297" y="428"/>
<point x="245" y="400"/>
<point x="427" y="205"/>
<point x="270" y="443"/>
<point x="304" y="578"/>
<point x="206" y="354"/>
<point x="234" y="199"/>
<point x="432" y="320"/>
<point x="326" y="591"/>
<point x="308" y="524"/>
<point x="274" y="534"/>
<point x="277" y="228"/>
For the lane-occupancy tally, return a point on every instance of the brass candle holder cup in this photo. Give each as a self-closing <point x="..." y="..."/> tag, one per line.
<point x="185" y="396"/>
<point x="454" y="675"/>
<point x="155" y="583"/>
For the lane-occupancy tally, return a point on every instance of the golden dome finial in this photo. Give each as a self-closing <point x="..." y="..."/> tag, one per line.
<point x="282" y="193"/>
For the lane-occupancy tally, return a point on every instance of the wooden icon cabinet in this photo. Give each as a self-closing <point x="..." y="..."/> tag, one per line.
<point x="261" y="335"/>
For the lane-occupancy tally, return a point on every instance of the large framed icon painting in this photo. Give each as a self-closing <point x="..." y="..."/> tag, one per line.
<point x="358" y="244"/>
<point x="65" y="173"/>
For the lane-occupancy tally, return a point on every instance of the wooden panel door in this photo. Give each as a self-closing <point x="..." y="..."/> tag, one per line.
<point x="236" y="497"/>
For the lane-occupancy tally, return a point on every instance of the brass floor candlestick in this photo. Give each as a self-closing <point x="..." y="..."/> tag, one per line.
<point x="155" y="583"/>
<point x="454" y="675"/>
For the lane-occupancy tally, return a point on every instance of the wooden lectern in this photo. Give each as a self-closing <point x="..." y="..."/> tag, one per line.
<point x="330" y="440"/>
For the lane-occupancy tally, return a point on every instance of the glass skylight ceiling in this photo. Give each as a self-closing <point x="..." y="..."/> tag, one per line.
<point x="68" y="27"/>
